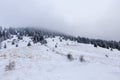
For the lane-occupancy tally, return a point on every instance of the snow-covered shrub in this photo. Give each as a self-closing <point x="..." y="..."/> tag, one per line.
<point x="70" y="57"/>
<point x="56" y="46"/>
<point x="106" y="56"/>
<point x="16" y="45"/>
<point x="13" y="41"/>
<point x="67" y="44"/>
<point x="95" y="45"/>
<point x="81" y="58"/>
<point x="10" y="66"/>
<point x="38" y="38"/>
<point x="29" y="44"/>
<point x="0" y="46"/>
<point x="20" y="37"/>
<point x="53" y="40"/>
<point x="43" y="42"/>
<point x="47" y="50"/>
<point x="111" y="49"/>
<point x="53" y="50"/>
<point x="5" y="46"/>
<point x="60" y="40"/>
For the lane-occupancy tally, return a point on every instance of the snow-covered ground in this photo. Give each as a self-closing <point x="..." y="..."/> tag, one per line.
<point x="45" y="62"/>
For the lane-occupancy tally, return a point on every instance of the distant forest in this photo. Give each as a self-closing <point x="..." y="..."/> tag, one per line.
<point x="39" y="34"/>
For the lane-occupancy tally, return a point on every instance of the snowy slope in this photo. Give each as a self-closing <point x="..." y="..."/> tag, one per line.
<point x="45" y="62"/>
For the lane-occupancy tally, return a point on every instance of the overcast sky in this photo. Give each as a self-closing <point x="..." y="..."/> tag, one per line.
<point x="89" y="18"/>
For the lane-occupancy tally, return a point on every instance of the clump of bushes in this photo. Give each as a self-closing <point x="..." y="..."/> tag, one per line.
<point x="95" y="45"/>
<point x="37" y="38"/>
<point x="43" y="42"/>
<point x="60" y="39"/>
<point x="10" y="66"/>
<point x="55" y="46"/>
<point x="53" y="40"/>
<point x="5" y="46"/>
<point x="29" y="44"/>
<point x="20" y="37"/>
<point x="70" y="57"/>
<point x="67" y="44"/>
<point x="81" y="58"/>
<point x="111" y="49"/>
<point x="13" y="42"/>
<point x="16" y="45"/>
<point x="53" y="50"/>
<point x="106" y="56"/>
<point x="47" y="50"/>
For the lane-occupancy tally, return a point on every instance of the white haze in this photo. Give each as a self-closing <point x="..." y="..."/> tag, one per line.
<point x="89" y="18"/>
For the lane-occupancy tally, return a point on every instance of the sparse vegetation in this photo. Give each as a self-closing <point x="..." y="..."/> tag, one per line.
<point x="95" y="45"/>
<point x="60" y="39"/>
<point x="47" y="50"/>
<point x="29" y="44"/>
<point x="43" y="42"/>
<point x="56" y="46"/>
<point x="111" y="49"/>
<point x="106" y="56"/>
<point x="67" y="44"/>
<point x="5" y="46"/>
<point x="53" y="40"/>
<point x="13" y="42"/>
<point x="39" y="35"/>
<point x="82" y="59"/>
<point x="70" y="57"/>
<point x="16" y="45"/>
<point x="0" y="45"/>
<point x="10" y="66"/>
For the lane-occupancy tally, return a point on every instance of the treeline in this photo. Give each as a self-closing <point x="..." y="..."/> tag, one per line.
<point x="100" y="43"/>
<point x="6" y="33"/>
<point x="38" y="35"/>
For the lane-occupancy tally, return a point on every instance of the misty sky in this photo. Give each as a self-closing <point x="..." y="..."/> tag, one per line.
<point x="88" y="18"/>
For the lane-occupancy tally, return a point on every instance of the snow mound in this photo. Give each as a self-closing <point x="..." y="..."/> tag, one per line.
<point x="50" y="62"/>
